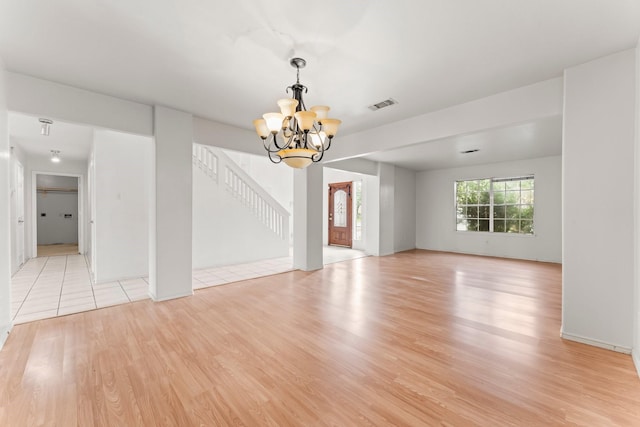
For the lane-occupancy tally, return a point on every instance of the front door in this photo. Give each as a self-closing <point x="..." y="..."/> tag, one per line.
<point x="340" y="214"/>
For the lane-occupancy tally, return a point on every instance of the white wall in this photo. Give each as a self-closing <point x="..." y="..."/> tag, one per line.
<point x="224" y="230"/>
<point x="436" y="219"/>
<point x="122" y="185"/>
<point x="387" y="208"/>
<point x="170" y="231"/>
<point x="275" y="179"/>
<point x="636" y="263"/>
<point x="307" y="211"/>
<point x="404" y="215"/>
<point x="5" y="249"/>
<point x="598" y="174"/>
<point x="371" y="204"/>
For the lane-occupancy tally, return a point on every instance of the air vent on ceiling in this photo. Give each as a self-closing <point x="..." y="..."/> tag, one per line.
<point x="382" y="104"/>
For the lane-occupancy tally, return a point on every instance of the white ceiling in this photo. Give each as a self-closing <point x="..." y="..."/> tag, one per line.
<point x="228" y="61"/>
<point x="73" y="141"/>
<point x="541" y="138"/>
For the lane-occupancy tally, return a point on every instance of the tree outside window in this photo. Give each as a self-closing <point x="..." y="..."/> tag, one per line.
<point x="497" y="205"/>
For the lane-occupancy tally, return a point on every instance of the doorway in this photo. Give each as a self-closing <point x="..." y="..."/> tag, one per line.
<point x="56" y="224"/>
<point x="340" y="206"/>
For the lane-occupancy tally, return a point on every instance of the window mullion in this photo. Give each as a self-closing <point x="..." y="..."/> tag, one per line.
<point x="491" y="206"/>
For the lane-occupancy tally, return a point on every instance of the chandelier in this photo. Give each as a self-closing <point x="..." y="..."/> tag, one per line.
<point x="294" y="135"/>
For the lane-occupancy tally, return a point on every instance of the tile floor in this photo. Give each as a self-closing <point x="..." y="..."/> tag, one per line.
<point x="58" y="285"/>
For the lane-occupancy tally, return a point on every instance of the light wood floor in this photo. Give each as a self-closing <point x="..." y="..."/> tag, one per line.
<point x="55" y="250"/>
<point x="418" y="338"/>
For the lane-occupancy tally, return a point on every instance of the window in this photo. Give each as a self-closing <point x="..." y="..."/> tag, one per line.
<point x="357" y="207"/>
<point x="499" y="205"/>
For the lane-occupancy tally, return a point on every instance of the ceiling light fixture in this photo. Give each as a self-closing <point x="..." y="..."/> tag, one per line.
<point x="55" y="156"/>
<point x="46" y="126"/>
<point x="294" y="135"/>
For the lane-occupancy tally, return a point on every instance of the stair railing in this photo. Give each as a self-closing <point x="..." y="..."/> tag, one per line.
<point x="244" y="188"/>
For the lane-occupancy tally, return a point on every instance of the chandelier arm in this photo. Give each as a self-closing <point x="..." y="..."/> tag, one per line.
<point x="328" y="144"/>
<point x="275" y="142"/>
<point x="268" y="146"/>
<point x="295" y="140"/>
<point x="274" y="158"/>
<point x="287" y="142"/>
<point x="319" y="154"/>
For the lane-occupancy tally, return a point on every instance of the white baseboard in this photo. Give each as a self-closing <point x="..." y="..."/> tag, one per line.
<point x="170" y="297"/>
<point x="4" y="334"/>
<point x="636" y="360"/>
<point x="596" y="343"/>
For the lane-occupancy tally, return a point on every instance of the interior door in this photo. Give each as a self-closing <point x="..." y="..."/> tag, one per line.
<point x="91" y="189"/>
<point x="340" y="214"/>
<point x="19" y="202"/>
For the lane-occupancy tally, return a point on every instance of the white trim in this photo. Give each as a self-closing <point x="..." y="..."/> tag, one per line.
<point x="635" y="355"/>
<point x="4" y="334"/>
<point x="34" y="210"/>
<point x="595" y="343"/>
<point x="154" y="298"/>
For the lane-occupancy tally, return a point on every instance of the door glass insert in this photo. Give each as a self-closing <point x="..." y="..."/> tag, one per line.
<point x="340" y="208"/>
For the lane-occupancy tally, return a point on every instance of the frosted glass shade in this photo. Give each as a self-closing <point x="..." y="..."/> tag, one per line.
<point x="317" y="138"/>
<point x="321" y="112"/>
<point x="330" y="126"/>
<point x="274" y="121"/>
<point x="297" y="158"/>
<point x="305" y="119"/>
<point x="288" y="106"/>
<point x="261" y="128"/>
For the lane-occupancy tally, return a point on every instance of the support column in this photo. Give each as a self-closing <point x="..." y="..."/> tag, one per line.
<point x="307" y="218"/>
<point x="386" y="176"/>
<point x="599" y="125"/>
<point x="171" y="205"/>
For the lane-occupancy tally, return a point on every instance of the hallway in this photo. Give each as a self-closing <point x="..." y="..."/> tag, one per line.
<point x="47" y="287"/>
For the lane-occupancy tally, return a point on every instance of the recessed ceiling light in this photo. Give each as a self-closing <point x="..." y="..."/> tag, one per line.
<point x="473" y="150"/>
<point x="55" y="156"/>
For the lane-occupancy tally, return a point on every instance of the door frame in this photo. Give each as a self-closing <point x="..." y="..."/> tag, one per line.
<point x="34" y="209"/>
<point x="20" y="256"/>
<point x="349" y="206"/>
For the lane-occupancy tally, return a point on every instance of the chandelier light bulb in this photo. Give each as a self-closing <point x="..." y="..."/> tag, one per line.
<point x="55" y="156"/>
<point x="274" y="121"/>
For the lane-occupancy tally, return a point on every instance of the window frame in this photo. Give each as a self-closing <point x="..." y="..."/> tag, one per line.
<point x="492" y="205"/>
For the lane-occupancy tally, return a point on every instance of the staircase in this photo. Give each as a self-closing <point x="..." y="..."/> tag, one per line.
<point x="224" y="171"/>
